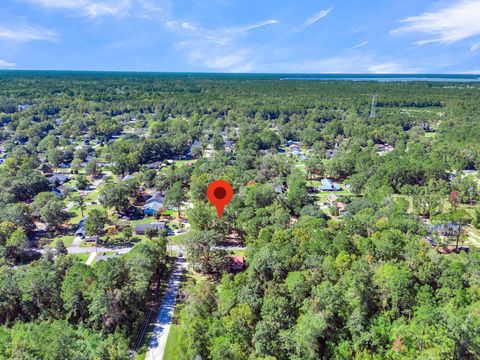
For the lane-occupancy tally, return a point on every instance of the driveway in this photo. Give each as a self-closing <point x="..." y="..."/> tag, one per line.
<point x="163" y="322"/>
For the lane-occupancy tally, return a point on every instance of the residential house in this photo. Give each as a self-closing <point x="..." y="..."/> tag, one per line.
<point x="158" y="196"/>
<point x="237" y="263"/>
<point x="154" y="165"/>
<point x="332" y="198"/>
<point x="385" y="148"/>
<point x="329" y="185"/>
<point x="294" y="147"/>
<point x="58" y="179"/>
<point x="23" y="107"/>
<point x="80" y="229"/>
<point x="153" y="207"/>
<point x="61" y="191"/>
<point x="342" y="207"/>
<point x="142" y="228"/>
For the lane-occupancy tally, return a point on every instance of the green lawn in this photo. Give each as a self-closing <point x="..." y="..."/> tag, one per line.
<point x="77" y="215"/>
<point x="237" y="252"/>
<point x="180" y="163"/>
<point x="176" y="240"/>
<point x="473" y="236"/>
<point x="145" y="220"/>
<point x="82" y="257"/>
<point x="92" y="196"/>
<point x="172" y="347"/>
<point x="67" y="240"/>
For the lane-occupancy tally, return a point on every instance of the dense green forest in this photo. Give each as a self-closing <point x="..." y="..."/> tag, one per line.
<point x="387" y="267"/>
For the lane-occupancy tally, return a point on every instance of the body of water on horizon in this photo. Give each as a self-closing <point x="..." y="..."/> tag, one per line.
<point x="267" y="76"/>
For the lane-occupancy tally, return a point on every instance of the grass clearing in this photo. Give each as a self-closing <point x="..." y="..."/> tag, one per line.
<point x="237" y="252"/>
<point x="172" y="348"/>
<point x="82" y="257"/>
<point x="67" y="240"/>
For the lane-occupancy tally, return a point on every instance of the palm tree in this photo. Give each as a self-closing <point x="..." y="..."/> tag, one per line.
<point x="79" y="201"/>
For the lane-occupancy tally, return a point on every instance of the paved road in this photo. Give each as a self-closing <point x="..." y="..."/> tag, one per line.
<point x="228" y="248"/>
<point x="124" y="250"/>
<point x="164" y="318"/>
<point x="87" y="250"/>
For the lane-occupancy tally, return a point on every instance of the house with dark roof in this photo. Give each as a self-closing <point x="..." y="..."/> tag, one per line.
<point x="58" y="179"/>
<point x="154" y="165"/>
<point x="158" y="196"/>
<point x="61" y="191"/>
<point x="329" y="185"/>
<point x="141" y="229"/>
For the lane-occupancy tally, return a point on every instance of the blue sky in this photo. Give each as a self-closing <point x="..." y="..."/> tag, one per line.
<point x="306" y="36"/>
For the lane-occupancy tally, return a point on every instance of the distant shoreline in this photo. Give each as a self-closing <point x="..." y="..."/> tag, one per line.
<point x="268" y="76"/>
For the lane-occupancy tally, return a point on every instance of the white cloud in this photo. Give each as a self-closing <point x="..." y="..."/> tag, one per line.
<point x="6" y="64"/>
<point x="230" y="62"/>
<point x="26" y="33"/>
<point x="216" y="49"/>
<point x="391" y="68"/>
<point x="253" y="26"/>
<point x="313" y="19"/>
<point x="92" y="8"/>
<point x="475" y="47"/>
<point x="345" y="64"/>
<point x="358" y="46"/>
<point x="188" y="26"/>
<point x="447" y="25"/>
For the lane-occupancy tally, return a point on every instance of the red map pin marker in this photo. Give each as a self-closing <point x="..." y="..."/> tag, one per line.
<point x="220" y="193"/>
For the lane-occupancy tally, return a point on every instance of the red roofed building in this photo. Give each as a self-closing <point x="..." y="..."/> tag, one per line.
<point x="341" y="206"/>
<point x="237" y="263"/>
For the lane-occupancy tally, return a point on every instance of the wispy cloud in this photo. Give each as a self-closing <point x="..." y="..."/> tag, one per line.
<point x="475" y="47"/>
<point x="253" y="26"/>
<point x="93" y="8"/>
<point x="217" y="49"/>
<point x="5" y="64"/>
<point x="313" y="19"/>
<point x="26" y="33"/>
<point x="446" y="25"/>
<point x="358" y="46"/>
<point x="234" y="62"/>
